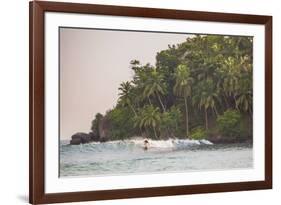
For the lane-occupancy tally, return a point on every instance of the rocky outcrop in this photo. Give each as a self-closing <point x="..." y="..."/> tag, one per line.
<point x="104" y="126"/>
<point x="80" y="138"/>
<point x="99" y="135"/>
<point x="75" y="141"/>
<point x="94" y="137"/>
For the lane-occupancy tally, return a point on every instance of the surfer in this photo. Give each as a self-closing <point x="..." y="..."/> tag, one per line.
<point x="146" y="144"/>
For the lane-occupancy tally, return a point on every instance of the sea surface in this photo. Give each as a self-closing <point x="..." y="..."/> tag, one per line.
<point x="130" y="157"/>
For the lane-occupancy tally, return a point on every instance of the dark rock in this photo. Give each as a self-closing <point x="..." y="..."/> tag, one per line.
<point x="76" y="136"/>
<point x="103" y="139"/>
<point x="104" y="126"/>
<point x="94" y="133"/>
<point x="79" y="138"/>
<point x="94" y="137"/>
<point x="100" y="135"/>
<point x="85" y="139"/>
<point x="75" y="141"/>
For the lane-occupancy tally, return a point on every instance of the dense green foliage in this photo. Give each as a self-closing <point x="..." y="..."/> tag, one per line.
<point x="198" y="133"/>
<point x="203" y="84"/>
<point x="229" y="123"/>
<point x="121" y="123"/>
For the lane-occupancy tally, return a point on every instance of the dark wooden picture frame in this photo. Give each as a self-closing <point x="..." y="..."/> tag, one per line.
<point x="37" y="193"/>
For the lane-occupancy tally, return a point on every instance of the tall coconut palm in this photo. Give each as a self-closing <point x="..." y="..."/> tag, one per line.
<point x="149" y="118"/>
<point x="244" y="101"/>
<point x="182" y="88"/>
<point x="244" y="95"/>
<point x="236" y="74"/>
<point x="206" y="96"/>
<point x="154" y="86"/>
<point x="244" y="92"/>
<point x="140" y="81"/>
<point x="126" y="95"/>
<point x="230" y="72"/>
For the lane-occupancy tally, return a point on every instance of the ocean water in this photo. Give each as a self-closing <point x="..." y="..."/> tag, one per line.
<point x="130" y="157"/>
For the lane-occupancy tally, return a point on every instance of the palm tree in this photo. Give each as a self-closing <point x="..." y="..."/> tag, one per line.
<point x="182" y="88"/>
<point x="149" y="118"/>
<point x="244" y="92"/>
<point x="140" y="80"/>
<point x="206" y="96"/>
<point x="244" y="101"/>
<point x="230" y="72"/>
<point x="154" y="86"/>
<point x="126" y="95"/>
<point x="244" y="95"/>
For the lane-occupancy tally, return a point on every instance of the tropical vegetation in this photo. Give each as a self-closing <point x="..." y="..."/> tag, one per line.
<point x="197" y="89"/>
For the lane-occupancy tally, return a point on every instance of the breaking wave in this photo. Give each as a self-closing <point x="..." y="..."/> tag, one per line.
<point x="157" y="144"/>
<point x="170" y="143"/>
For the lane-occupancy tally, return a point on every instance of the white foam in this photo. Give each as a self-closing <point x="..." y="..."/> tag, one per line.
<point x="169" y="143"/>
<point x="207" y="142"/>
<point x="159" y="144"/>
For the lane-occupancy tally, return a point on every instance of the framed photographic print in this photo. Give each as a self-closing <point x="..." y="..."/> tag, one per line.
<point x="139" y="102"/>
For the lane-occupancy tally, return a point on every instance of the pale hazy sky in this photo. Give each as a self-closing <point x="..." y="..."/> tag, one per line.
<point x="93" y="63"/>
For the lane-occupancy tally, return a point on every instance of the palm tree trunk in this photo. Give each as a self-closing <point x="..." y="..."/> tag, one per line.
<point x="154" y="131"/>
<point x="206" y="119"/>
<point x="132" y="108"/>
<point x="186" y="117"/>
<point x="149" y="100"/>
<point x="162" y="105"/>
<point x="235" y="101"/>
<point x="226" y="101"/>
<point x="216" y="111"/>
<point x="146" y="132"/>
